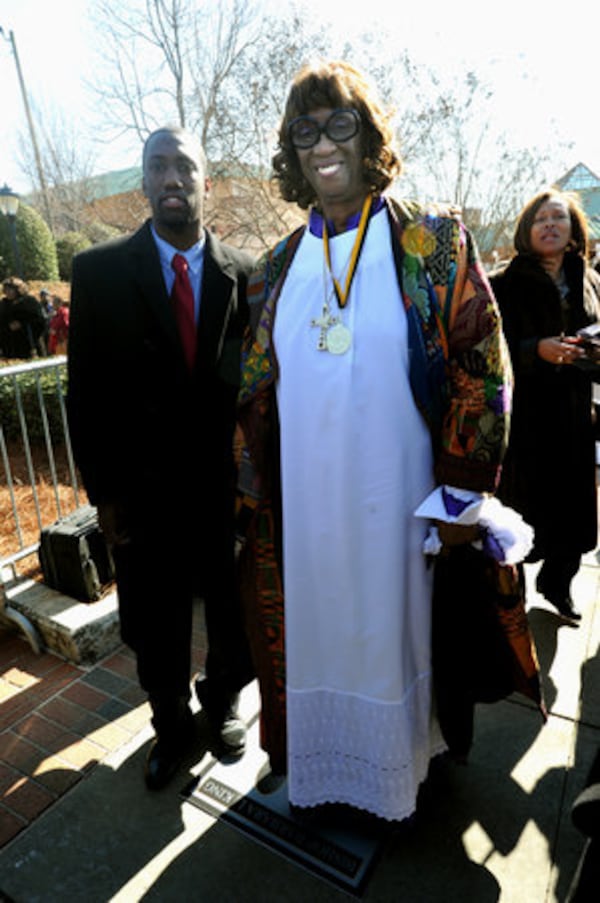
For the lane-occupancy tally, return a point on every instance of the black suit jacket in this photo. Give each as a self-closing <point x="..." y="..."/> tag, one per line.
<point x="146" y="433"/>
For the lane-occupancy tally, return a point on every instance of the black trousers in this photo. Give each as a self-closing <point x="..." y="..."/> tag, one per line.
<point x="157" y="580"/>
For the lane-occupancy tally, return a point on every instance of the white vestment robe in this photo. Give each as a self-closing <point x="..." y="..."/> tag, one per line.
<point x="356" y="461"/>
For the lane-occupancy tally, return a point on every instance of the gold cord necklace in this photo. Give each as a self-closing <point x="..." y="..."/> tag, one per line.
<point x="335" y="336"/>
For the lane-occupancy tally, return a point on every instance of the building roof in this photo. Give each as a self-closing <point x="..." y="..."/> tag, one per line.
<point x="590" y="201"/>
<point x="586" y="184"/>
<point x="122" y="181"/>
<point x="579" y="177"/>
<point x="119" y="181"/>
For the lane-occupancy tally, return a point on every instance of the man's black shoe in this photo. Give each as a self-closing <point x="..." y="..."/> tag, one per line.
<point x="224" y="720"/>
<point x="166" y="755"/>
<point x="162" y="763"/>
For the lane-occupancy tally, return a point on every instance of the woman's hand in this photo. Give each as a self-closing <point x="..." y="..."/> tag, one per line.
<point x="560" y="349"/>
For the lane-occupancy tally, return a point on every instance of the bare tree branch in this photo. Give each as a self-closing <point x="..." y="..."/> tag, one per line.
<point x="213" y="67"/>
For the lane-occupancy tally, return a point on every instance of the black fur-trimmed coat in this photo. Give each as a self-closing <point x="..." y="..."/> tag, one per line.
<point x="549" y="472"/>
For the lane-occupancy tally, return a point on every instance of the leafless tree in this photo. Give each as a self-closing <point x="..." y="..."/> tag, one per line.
<point x="214" y="67"/>
<point x="67" y="159"/>
<point x="168" y="61"/>
<point x="466" y="159"/>
<point x="255" y="214"/>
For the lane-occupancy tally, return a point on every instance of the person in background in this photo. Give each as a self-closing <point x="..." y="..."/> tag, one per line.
<point x="155" y="330"/>
<point x="22" y="322"/>
<point x="58" y="329"/>
<point x="46" y="300"/>
<point x="375" y="371"/>
<point x="546" y="294"/>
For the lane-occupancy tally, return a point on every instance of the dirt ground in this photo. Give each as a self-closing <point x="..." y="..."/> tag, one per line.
<point x="62" y="289"/>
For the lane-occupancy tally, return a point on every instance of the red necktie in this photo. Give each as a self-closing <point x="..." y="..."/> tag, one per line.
<point x="182" y="297"/>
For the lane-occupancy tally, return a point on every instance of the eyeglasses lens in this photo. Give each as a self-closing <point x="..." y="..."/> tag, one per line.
<point x="305" y="132"/>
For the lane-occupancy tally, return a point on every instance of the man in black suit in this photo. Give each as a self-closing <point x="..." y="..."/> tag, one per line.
<point x="152" y="434"/>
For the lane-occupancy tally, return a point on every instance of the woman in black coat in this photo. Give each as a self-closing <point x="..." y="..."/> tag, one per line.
<point x="22" y="322"/>
<point x="547" y="293"/>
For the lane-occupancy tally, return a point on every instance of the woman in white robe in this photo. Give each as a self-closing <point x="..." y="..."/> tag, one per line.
<point x="376" y="370"/>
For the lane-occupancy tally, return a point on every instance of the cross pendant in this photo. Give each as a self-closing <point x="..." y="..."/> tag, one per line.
<point x="324" y="323"/>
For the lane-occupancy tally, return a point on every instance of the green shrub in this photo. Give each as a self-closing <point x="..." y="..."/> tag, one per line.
<point x="35" y="244"/>
<point x="67" y="246"/>
<point x="98" y="232"/>
<point x="28" y="389"/>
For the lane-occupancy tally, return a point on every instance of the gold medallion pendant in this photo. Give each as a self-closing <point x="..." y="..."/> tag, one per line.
<point x="338" y="339"/>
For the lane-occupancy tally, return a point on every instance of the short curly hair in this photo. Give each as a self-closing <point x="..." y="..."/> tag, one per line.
<point x="336" y="85"/>
<point x="579" y="229"/>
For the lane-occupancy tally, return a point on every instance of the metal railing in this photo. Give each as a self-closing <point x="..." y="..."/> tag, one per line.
<point x="32" y="419"/>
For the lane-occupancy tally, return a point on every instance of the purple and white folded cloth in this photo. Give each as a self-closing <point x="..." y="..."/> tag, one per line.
<point x="504" y="535"/>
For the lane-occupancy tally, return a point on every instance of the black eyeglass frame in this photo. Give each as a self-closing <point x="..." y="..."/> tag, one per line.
<point x="322" y="129"/>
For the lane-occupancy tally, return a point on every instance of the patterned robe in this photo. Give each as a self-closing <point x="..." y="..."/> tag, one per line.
<point x="461" y="379"/>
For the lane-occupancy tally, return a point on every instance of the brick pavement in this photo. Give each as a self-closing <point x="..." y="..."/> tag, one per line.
<point x="59" y="720"/>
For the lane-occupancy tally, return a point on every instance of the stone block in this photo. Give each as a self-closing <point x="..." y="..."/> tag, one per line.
<point x="80" y="632"/>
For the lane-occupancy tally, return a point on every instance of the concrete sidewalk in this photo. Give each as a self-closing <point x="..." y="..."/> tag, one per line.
<point x="498" y="829"/>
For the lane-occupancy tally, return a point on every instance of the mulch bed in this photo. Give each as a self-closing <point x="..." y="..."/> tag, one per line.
<point x="24" y="499"/>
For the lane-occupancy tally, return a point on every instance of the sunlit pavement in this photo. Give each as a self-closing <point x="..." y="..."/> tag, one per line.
<point x="496" y="829"/>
